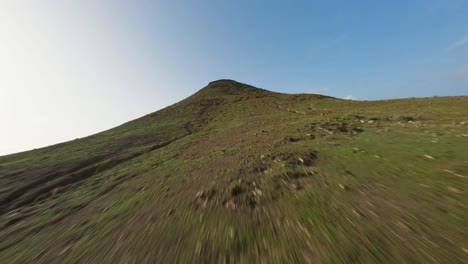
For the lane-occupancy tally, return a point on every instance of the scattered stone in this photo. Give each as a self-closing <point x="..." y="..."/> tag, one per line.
<point x="65" y="250"/>
<point x="12" y="214"/>
<point x="465" y="250"/>
<point x="455" y="190"/>
<point x="231" y="232"/>
<point x="230" y="205"/>
<point x="199" y="194"/>
<point x="456" y="174"/>
<point x="372" y="212"/>
<point x="429" y="157"/>
<point x="356" y="213"/>
<point x="257" y="192"/>
<point x="362" y="121"/>
<point x="342" y="186"/>
<point x="370" y="121"/>
<point x="377" y="156"/>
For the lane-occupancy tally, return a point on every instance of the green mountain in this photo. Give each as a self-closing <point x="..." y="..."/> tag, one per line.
<point x="240" y="174"/>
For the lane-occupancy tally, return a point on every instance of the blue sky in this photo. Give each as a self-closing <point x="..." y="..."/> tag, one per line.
<point x="74" y="68"/>
<point x="368" y="49"/>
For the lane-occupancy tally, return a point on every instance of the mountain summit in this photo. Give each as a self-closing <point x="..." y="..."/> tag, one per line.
<point x="236" y="173"/>
<point x="230" y="87"/>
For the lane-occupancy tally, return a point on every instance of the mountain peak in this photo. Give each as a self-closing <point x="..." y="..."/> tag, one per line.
<point x="230" y="87"/>
<point x="225" y="82"/>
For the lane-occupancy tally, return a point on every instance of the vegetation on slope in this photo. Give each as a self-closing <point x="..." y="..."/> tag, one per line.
<point x="239" y="174"/>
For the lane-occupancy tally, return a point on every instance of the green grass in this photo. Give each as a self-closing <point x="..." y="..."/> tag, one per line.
<point x="238" y="174"/>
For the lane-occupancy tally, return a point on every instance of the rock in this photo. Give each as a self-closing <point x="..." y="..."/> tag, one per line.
<point x="257" y="192"/>
<point x="455" y="190"/>
<point x="456" y="174"/>
<point x="230" y="205"/>
<point x="429" y="157"/>
<point x="356" y="213"/>
<point x="65" y="250"/>
<point x="199" y="194"/>
<point x="342" y="186"/>
<point x="231" y="233"/>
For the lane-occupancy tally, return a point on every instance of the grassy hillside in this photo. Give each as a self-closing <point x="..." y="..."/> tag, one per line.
<point x="240" y="174"/>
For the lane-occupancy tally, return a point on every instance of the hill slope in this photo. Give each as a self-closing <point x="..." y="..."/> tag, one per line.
<point x="235" y="173"/>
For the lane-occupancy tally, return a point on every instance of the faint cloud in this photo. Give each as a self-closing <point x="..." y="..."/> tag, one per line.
<point x="351" y="97"/>
<point x="458" y="43"/>
<point x="460" y="75"/>
<point x="319" y="90"/>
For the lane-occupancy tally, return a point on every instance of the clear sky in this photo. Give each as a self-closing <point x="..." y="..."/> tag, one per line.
<point x="69" y="69"/>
